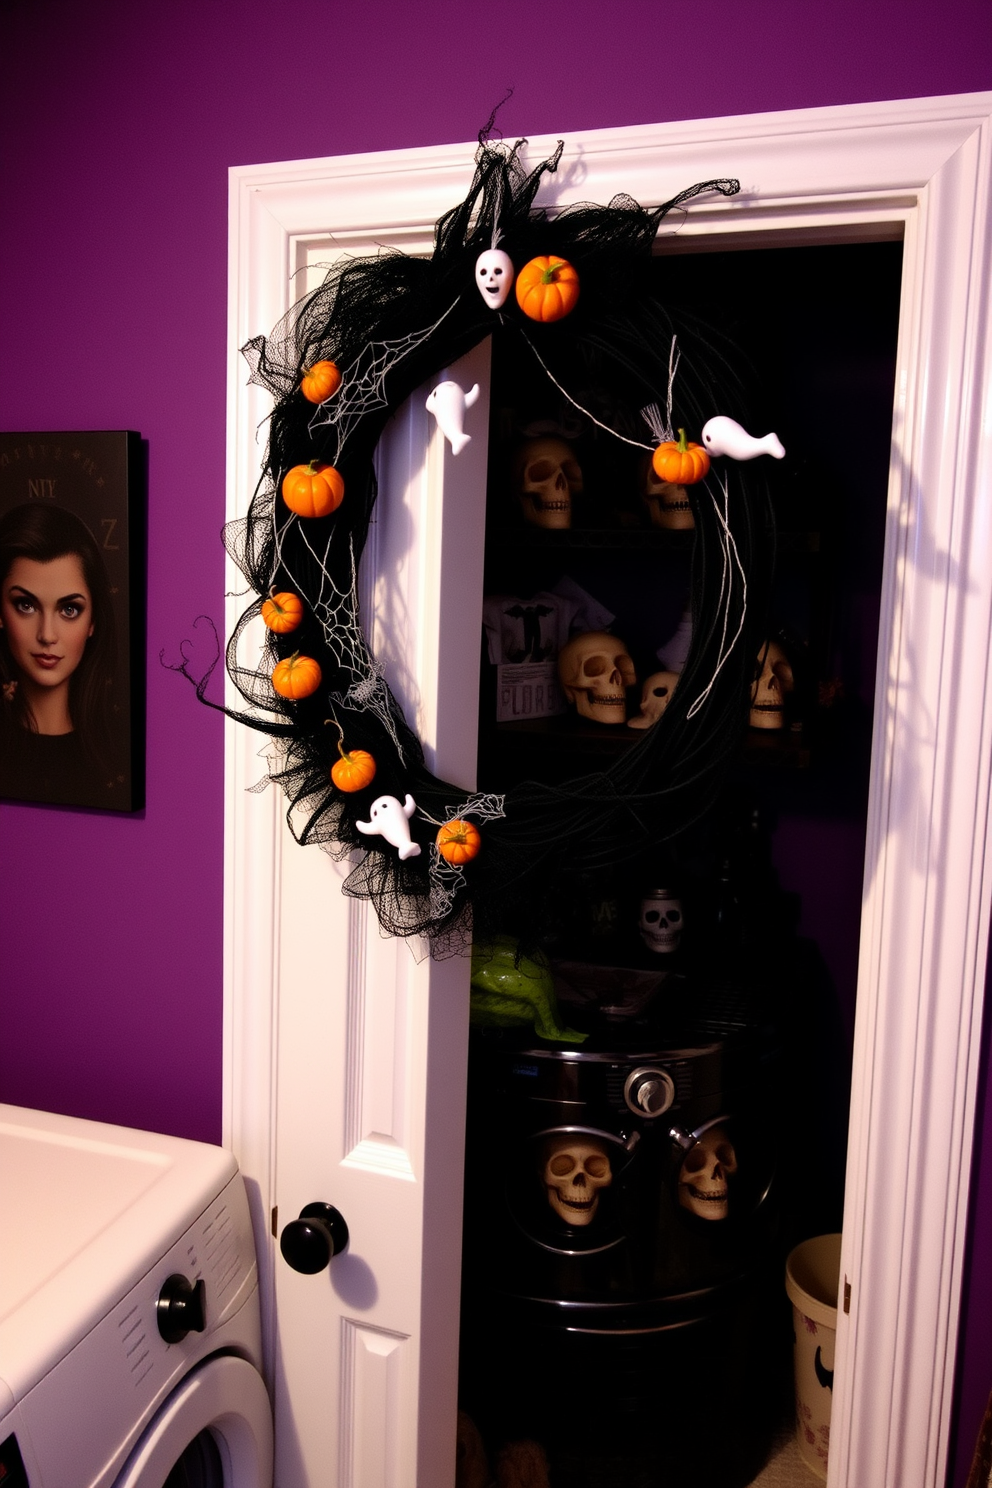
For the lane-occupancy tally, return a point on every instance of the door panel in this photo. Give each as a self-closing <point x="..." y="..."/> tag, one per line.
<point x="363" y="1123"/>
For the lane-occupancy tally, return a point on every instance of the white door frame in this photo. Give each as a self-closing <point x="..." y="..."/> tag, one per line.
<point x="922" y="168"/>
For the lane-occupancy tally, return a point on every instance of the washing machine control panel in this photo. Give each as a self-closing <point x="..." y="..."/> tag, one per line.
<point x="649" y="1091"/>
<point x="105" y="1390"/>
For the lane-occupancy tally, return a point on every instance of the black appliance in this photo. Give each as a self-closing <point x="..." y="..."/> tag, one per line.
<point x="621" y="1296"/>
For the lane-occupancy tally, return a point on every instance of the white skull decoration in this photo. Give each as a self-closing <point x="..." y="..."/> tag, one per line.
<point x="494" y="276"/>
<point x="546" y="476"/>
<point x="769" y="689"/>
<point x="575" y="1169"/>
<point x="595" y="669"/>
<point x="705" y="1170"/>
<point x="660" y="923"/>
<point x="667" y="504"/>
<point x="656" y="694"/>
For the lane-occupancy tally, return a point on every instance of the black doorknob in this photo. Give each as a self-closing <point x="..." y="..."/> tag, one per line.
<point x="181" y="1308"/>
<point x="309" y="1243"/>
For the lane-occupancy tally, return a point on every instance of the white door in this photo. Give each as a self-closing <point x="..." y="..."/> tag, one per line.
<point x="372" y="1042"/>
<point x="345" y="1074"/>
<point x="371" y="1036"/>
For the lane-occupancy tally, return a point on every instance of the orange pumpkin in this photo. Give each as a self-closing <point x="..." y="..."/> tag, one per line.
<point x="458" y="841"/>
<point x="320" y="382"/>
<point x="680" y="462"/>
<point x="282" y="612"/>
<point x="296" y="677"/>
<point x="547" y="288"/>
<point x="313" y="490"/>
<point x="354" y="770"/>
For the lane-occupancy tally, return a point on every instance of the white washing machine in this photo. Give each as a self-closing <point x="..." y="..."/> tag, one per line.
<point x="130" y="1338"/>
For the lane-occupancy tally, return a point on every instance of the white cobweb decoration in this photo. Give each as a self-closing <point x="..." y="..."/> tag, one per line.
<point x="446" y="879"/>
<point x="363" y="384"/>
<point x="731" y="564"/>
<point x="273" y="754"/>
<point x="337" y="611"/>
<point x="661" y="427"/>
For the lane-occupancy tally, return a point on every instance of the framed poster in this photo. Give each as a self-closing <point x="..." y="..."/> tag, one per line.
<point x="72" y="521"/>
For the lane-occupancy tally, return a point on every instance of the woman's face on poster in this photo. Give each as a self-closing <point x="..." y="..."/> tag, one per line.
<point x="47" y="615"/>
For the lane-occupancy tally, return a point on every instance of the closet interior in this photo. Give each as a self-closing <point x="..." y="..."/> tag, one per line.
<point x="667" y="1119"/>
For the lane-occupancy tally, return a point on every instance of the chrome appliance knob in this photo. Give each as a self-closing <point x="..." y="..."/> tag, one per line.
<point x="649" y="1092"/>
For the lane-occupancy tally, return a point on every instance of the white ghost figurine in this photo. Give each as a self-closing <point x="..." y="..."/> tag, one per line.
<point x="724" y="436"/>
<point x="494" y="274"/>
<point x="389" y="819"/>
<point x="448" y="403"/>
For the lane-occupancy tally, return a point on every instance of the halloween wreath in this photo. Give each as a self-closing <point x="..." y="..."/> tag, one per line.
<point x="434" y="859"/>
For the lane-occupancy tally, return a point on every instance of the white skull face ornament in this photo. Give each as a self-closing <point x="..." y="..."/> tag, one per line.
<point x="494" y="275"/>
<point x="660" y="922"/>
<point x="773" y="681"/>
<point x="576" y="1169"/>
<point x="656" y="694"/>
<point x="703" y="1187"/>
<point x="667" y="505"/>
<point x="595" y="670"/>
<point x="546" y="475"/>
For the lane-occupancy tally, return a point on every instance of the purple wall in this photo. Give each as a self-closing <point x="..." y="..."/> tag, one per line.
<point x="118" y="122"/>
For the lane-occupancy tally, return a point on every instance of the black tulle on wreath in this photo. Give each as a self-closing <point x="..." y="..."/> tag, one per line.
<point x="389" y="323"/>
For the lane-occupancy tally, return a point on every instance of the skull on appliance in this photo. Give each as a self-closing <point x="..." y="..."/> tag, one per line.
<point x="575" y="1169"/>
<point x="546" y="475"/>
<point x="667" y="504"/>
<point x="656" y="694"/>
<point x="595" y="671"/>
<point x="703" y="1187"/>
<point x="773" y="680"/>
<point x="660" y="923"/>
<point x="494" y="276"/>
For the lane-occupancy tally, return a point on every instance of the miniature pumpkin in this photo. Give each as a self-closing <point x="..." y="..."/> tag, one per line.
<point x="547" y="288"/>
<point x="313" y="490"/>
<point x="320" y="382"/>
<point x="354" y="770"/>
<point x="458" y="841"/>
<point x="296" y="677"/>
<point x="282" y="612"/>
<point x="680" y="462"/>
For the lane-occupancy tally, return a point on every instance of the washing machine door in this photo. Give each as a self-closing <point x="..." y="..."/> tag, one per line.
<point x="214" y="1431"/>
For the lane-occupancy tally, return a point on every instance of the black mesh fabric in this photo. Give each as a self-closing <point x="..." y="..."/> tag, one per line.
<point x="411" y="317"/>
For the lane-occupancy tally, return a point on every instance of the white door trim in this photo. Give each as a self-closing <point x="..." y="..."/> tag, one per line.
<point x="922" y="167"/>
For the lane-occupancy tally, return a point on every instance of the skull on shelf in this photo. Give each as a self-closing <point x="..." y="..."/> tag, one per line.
<point x="773" y="680"/>
<point x="595" y="671"/>
<point x="546" y="475"/>
<point x="660" y="922"/>
<point x="667" y="504"/>
<point x="707" y="1166"/>
<point x="656" y="694"/>
<point x="574" y="1170"/>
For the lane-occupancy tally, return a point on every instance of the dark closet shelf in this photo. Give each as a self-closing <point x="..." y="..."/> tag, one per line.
<point x="580" y="539"/>
<point x="548" y="748"/>
<point x="622" y="539"/>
